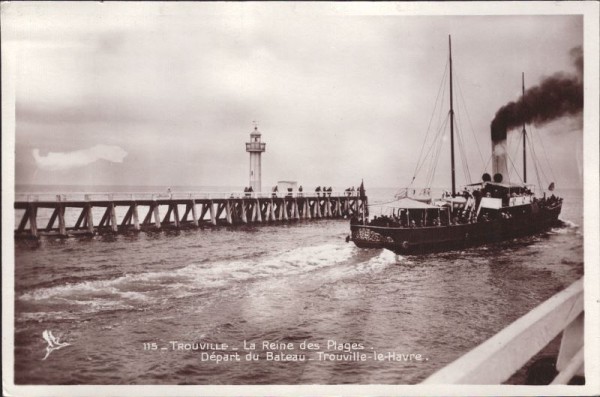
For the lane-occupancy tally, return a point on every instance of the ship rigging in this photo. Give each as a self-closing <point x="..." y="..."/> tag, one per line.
<point x="429" y="155"/>
<point x="493" y="208"/>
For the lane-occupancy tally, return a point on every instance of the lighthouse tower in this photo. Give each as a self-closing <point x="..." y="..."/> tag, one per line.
<point x="255" y="147"/>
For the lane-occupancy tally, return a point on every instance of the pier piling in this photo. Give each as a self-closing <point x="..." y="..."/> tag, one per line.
<point x="197" y="210"/>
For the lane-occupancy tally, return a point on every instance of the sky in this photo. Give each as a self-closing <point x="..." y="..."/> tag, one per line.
<point x="166" y="94"/>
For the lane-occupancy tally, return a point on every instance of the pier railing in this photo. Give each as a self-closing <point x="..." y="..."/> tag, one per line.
<point x="81" y="196"/>
<point x="498" y="358"/>
<point x="107" y="212"/>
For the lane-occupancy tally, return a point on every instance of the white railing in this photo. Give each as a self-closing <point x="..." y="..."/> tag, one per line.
<point x="520" y="200"/>
<point x="495" y="360"/>
<point x="109" y="196"/>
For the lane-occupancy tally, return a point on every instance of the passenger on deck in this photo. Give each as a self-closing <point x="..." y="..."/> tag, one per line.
<point x="466" y="194"/>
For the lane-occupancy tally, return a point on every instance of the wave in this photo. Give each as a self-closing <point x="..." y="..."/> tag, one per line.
<point x="374" y="264"/>
<point x="135" y="290"/>
<point x="566" y="227"/>
<point x="380" y="262"/>
<point x="569" y="224"/>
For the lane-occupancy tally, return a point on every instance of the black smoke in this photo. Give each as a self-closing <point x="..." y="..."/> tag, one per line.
<point x="556" y="96"/>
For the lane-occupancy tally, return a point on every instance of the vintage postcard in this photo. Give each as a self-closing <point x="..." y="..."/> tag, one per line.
<point x="222" y="198"/>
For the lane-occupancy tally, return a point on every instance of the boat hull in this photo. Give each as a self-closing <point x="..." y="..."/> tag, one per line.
<point x="441" y="238"/>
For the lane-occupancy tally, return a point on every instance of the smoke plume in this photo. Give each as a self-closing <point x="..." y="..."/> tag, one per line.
<point x="556" y="96"/>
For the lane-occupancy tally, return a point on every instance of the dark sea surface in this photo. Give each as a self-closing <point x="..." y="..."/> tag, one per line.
<point x="292" y="283"/>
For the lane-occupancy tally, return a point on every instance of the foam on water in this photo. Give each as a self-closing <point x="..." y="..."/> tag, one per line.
<point x="136" y="289"/>
<point x="566" y="228"/>
<point x="569" y="224"/>
<point x="380" y="262"/>
<point x="371" y="266"/>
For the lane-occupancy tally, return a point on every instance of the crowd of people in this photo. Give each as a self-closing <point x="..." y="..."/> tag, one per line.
<point x="417" y="219"/>
<point x="351" y="191"/>
<point x="405" y="221"/>
<point x="321" y="191"/>
<point x="325" y="190"/>
<point x="248" y="190"/>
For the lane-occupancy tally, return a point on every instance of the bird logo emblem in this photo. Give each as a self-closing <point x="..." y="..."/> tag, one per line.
<point x="53" y="343"/>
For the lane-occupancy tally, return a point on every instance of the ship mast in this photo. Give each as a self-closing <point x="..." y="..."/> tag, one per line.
<point x="524" y="134"/>
<point x="451" y="119"/>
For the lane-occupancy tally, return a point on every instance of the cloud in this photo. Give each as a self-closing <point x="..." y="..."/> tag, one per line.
<point x="323" y="85"/>
<point x="55" y="161"/>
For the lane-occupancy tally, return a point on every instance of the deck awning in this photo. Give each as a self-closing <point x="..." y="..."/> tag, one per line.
<point x="410" y="204"/>
<point x="507" y="185"/>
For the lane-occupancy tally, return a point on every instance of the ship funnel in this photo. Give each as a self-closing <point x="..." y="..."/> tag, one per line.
<point x="499" y="167"/>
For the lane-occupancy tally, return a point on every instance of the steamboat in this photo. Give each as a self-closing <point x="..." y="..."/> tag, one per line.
<point x="493" y="209"/>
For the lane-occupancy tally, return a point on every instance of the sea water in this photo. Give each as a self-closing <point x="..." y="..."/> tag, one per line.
<point x="285" y="303"/>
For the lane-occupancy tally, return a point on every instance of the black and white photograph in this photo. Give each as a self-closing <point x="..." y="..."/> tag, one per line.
<point x="280" y="198"/>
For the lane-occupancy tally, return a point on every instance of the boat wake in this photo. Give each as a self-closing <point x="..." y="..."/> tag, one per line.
<point x="569" y="224"/>
<point x="138" y="290"/>
<point x="566" y="227"/>
<point x="380" y="262"/>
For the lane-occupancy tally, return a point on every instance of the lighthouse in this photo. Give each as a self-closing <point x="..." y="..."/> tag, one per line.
<point x="255" y="147"/>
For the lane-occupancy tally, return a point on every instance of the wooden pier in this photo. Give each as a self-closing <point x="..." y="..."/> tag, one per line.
<point x="152" y="211"/>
